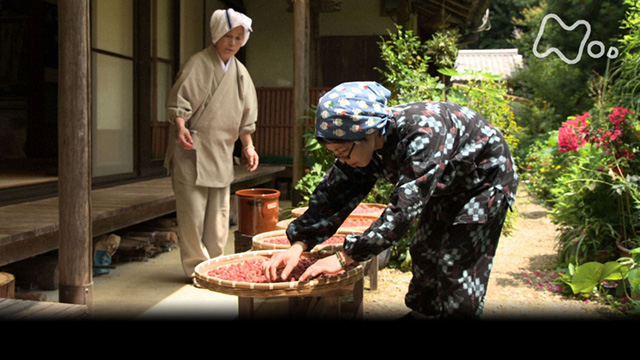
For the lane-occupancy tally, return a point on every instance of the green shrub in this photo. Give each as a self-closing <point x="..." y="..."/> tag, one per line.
<point x="626" y="87"/>
<point x="541" y="166"/>
<point x="406" y="68"/>
<point x="596" y="200"/>
<point x="583" y="209"/>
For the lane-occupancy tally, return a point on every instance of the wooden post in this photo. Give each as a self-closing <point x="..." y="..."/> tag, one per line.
<point x="300" y="87"/>
<point x="74" y="181"/>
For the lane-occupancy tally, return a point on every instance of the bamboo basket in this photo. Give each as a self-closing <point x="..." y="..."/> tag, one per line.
<point x="336" y="285"/>
<point x="353" y="222"/>
<point x="261" y="241"/>
<point x="379" y="208"/>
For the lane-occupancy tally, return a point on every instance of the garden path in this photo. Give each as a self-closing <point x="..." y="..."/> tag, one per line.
<point x="517" y="289"/>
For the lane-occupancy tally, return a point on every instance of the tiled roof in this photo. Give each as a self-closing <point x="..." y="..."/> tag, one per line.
<point x="496" y="61"/>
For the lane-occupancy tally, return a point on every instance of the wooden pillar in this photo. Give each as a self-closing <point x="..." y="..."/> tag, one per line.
<point x="300" y="87"/>
<point x="74" y="180"/>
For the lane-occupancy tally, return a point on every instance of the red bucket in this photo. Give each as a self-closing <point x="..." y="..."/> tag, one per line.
<point x="257" y="210"/>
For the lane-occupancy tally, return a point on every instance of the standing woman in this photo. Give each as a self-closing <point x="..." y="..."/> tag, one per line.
<point x="212" y="103"/>
<point x="453" y="173"/>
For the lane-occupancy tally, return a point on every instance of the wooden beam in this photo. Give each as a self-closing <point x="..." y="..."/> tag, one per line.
<point x="301" y="25"/>
<point x="75" y="276"/>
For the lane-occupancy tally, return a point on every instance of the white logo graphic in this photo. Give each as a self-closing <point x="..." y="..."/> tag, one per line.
<point x="612" y="53"/>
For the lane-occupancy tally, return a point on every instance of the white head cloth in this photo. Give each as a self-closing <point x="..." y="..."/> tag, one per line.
<point x="222" y="21"/>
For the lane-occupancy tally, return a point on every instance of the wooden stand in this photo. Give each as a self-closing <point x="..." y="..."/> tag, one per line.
<point x="373" y="273"/>
<point x="301" y="295"/>
<point x="325" y="304"/>
<point x="243" y="242"/>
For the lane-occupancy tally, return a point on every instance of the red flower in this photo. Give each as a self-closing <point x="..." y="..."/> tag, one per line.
<point x="572" y="135"/>
<point x="618" y="115"/>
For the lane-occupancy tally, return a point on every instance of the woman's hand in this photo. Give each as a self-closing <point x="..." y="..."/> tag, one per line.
<point x="252" y="157"/>
<point x="287" y="259"/>
<point x="329" y="265"/>
<point x="184" y="136"/>
<point x="184" y="139"/>
<point x="249" y="151"/>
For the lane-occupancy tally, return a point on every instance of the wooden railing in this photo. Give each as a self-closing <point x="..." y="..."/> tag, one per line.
<point x="274" y="127"/>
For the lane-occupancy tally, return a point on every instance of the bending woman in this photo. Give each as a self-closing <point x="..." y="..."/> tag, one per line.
<point x="453" y="173"/>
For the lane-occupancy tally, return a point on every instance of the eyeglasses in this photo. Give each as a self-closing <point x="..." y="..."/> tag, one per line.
<point x="340" y="156"/>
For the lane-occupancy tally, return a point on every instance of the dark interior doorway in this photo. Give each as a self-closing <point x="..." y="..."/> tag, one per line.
<point x="28" y="92"/>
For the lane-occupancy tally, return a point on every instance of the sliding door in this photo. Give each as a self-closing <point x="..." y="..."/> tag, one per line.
<point x="112" y="50"/>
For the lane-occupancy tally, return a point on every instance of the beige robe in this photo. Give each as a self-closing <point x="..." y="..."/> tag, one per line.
<point x="217" y="106"/>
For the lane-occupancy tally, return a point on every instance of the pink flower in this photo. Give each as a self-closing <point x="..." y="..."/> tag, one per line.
<point x="618" y="115"/>
<point x="555" y="288"/>
<point x="572" y="135"/>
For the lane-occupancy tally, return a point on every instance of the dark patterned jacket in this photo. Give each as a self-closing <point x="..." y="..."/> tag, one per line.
<point x="433" y="152"/>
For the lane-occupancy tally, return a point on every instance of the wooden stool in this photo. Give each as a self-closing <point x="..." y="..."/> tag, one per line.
<point x="7" y="286"/>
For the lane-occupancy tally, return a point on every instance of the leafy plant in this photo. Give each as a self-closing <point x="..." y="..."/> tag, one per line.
<point x="406" y="68"/>
<point x="591" y="276"/>
<point x="316" y="152"/>
<point x="583" y="210"/>
<point x="486" y="94"/>
<point x="443" y="49"/>
<point x="308" y="183"/>
<point x="541" y="167"/>
<point x="601" y="165"/>
<point x="616" y="283"/>
<point x="626" y="88"/>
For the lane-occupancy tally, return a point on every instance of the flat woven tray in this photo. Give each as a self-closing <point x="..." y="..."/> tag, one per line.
<point x="261" y="241"/>
<point x="335" y="285"/>
<point x="368" y="209"/>
<point x="353" y="222"/>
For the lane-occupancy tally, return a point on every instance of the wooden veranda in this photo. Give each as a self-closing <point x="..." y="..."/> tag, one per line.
<point x="32" y="228"/>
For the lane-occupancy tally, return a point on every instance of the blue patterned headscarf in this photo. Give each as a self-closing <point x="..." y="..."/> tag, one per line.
<point x="353" y="110"/>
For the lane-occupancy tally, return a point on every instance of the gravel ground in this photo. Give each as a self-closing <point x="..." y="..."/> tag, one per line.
<point x="516" y="288"/>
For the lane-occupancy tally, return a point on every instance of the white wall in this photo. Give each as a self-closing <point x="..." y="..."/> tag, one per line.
<point x="269" y="51"/>
<point x="191" y="29"/>
<point x="270" y="48"/>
